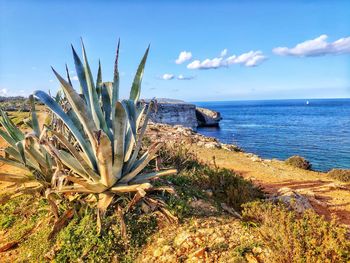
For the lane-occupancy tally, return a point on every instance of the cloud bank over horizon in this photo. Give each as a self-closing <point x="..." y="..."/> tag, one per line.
<point x="316" y="47"/>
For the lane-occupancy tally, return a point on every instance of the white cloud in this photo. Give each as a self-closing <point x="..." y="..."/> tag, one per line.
<point x="206" y="64"/>
<point x="182" y="77"/>
<point x="51" y="80"/>
<point x="316" y="47"/>
<point x="249" y="59"/>
<point x="183" y="57"/>
<point x="223" y="53"/>
<point x="3" y="92"/>
<point x="74" y="78"/>
<point x="167" y="76"/>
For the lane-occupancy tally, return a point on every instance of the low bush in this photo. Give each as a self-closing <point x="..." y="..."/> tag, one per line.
<point x="340" y="174"/>
<point x="287" y="237"/>
<point x="195" y="178"/>
<point x="298" y="162"/>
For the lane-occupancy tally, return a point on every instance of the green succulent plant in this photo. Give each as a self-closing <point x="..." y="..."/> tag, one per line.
<point x="106" y="158"/>
<point x="26" y="153"/>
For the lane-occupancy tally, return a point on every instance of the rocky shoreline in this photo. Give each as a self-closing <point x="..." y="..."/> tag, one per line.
<point x="266" y="170"/>
<point x="184" y="135"/>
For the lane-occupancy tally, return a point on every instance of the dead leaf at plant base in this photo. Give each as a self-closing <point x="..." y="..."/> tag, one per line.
<point x="61" y="223"/>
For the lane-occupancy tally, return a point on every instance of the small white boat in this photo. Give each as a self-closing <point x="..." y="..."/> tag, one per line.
<point x="307" y="102"/>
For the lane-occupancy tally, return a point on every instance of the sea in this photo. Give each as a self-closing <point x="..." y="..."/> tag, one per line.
<point x="317" y="129"/>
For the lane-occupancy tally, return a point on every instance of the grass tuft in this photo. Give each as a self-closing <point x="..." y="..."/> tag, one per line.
<point x="340" y="174"/>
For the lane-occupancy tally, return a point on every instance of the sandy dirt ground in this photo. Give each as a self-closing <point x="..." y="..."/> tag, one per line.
<point x="329" y="197"/>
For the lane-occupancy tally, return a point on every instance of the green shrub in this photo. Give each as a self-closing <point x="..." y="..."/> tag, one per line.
<point x="289" y="238"/>
<point x="194" y="178"/>
<point x="340" y="174"/>
<point x="298" y="162"/>
<point x="231" y="188"/>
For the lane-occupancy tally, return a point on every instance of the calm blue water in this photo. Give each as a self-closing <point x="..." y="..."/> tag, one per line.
<point x="278" y="129"/>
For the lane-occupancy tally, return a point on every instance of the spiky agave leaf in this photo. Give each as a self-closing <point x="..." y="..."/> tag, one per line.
<point x="119" y="128"/>
<point x="114" y="134"/>
<point x="136" y="85"/>
<point x="79" y="67"/>
<point x="35" y="122"/>
<point x="139" y="139"/>
<point x="94" y="100"/>
<point x="54" y="107"/>
<point x="106" y="102"/>
<point x="115" y="90"/>
<point x="99" y="80"/>
<point x="78" y="157"/>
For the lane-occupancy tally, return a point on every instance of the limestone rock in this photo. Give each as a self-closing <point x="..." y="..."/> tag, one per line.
<point x="207" y="117"/>
<point x="294" y="200"/>
<point x="175" y="114"/>
<point x="212" y="145"/>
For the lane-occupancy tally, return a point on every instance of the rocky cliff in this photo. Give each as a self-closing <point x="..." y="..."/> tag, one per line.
<point x="185" y="114"/>
<point x="175" y="114"/>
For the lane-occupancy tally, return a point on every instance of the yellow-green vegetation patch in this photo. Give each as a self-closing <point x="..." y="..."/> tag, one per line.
<point x="268" y="233"/>
<point x="22" y="222"/>
<point x="18" y="210"/>
<point x="80" y="240"/>
<point x="288" y="237"/>
<point x="36" y="246"/>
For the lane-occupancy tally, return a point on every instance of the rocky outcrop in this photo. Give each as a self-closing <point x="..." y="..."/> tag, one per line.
<point x="207" y="118"/>
<point x="175" y="112"/>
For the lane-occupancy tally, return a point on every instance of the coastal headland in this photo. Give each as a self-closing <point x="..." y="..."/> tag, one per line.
<point x="311" y="189"/>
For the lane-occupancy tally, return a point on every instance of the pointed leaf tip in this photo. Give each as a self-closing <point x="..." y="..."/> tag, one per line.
<point x="54" y="71"/>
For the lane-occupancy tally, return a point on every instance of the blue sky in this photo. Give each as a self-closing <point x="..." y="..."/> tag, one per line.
<point x="37" y="34"/>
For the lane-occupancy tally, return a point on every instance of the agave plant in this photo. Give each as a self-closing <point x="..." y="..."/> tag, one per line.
<point x="108" y="134"/>
<point x="25" y="152"/>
